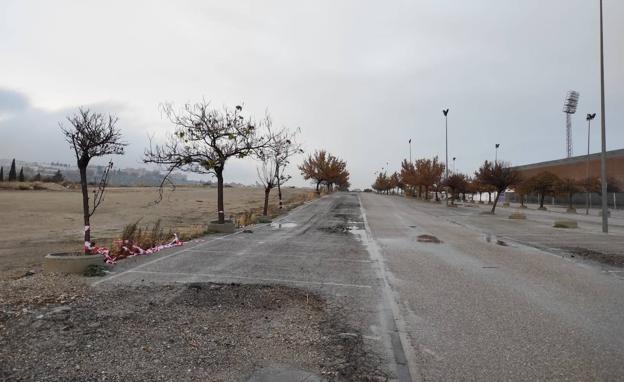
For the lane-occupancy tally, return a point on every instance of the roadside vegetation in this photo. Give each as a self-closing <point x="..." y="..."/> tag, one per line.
<point x="325" y="169"/>
<point x="425" y="179"/>
<point x="203" y="140"/>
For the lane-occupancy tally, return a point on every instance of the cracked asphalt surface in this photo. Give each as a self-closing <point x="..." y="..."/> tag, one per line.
<point x="464" y="308"/>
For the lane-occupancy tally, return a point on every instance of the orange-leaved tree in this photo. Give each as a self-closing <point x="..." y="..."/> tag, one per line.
<point x="499" y="176"/>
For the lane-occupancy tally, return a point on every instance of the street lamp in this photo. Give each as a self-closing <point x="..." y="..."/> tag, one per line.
<point x="445" y="112"/>
<point x="589" y="119"/>
<point x="496" y="146"/>
<point x="603" y="154"/>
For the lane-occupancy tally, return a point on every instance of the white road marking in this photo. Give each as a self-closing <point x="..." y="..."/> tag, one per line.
<point x="114" y="276"/>
<point x="222" y="276"/>
<point x="401" y="326"/>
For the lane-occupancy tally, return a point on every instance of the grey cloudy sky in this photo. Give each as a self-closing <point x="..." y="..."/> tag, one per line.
<point x="359" y="77"/>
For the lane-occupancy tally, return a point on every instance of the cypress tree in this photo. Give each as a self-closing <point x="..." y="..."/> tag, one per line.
<point x="21" y="175"/>
<point x="12" y="172"/>
<point x="58" y="177"/>
<point x="1" y="174"/>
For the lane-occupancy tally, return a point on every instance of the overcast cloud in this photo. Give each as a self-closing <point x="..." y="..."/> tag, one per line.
<point x="359" y="77"/>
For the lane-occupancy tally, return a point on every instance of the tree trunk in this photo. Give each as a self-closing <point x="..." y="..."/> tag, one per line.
<point x="495" y="201"/>
<point x="489" y="197"/>
<point x="267" y="191"/>
<point x="279" y="185"/>
<point x="220" y="208"/>
<point x="279" y="193"/>
<point x="426" y="192"/>
<point x="541" y="199"/>
<point x="318" y="191"/>
<point x="85" y="208"/>
<point x="522" y="200"/>
<point x="570" y="200"/>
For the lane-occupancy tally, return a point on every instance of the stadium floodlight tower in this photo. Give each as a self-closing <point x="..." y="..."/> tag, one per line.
<point x="569" y="108"/>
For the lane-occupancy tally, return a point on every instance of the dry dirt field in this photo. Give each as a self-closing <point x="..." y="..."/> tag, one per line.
<point x="33" y="223"/>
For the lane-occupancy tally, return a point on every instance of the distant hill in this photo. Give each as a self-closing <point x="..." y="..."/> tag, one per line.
<point x="118" y="176"/>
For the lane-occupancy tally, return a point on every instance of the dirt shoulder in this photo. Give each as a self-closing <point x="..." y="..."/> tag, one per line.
<point x="216" y="332"/>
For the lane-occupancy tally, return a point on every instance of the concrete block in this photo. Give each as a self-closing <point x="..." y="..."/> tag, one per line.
<point x="517" y="215"/>
<point x="226" y="227"/>
<point x="263" y="219"/>
<point x="70" y="262"/>
<point x="565" y="223"/>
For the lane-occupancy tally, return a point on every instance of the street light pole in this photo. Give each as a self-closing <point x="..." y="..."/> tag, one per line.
<point x="445" y="112"/>
<point x="454" y="164"/>
<point x="496" y="152"/>
<point x="589" y="119"/>
<point x="410" y="146"/>
<point x="603" y="154"/>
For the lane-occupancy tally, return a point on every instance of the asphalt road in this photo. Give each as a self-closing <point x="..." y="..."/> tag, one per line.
<point x="478" y="310"/>
<point x="463" y="309"/>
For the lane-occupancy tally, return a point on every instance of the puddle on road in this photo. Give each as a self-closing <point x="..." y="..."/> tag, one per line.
<point x="337" y="228"/>
<point x="492" y="238"/>
<point x="349" y="226"/>
<point x="428" y="239"/>
<point x="283" y="225"/>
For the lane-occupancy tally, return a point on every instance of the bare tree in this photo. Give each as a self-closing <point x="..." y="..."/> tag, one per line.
<point x="281" y="148"/>
<point x="203" y="140"/>
<point x="92" y="135"/>
<point x="267" y="176"/>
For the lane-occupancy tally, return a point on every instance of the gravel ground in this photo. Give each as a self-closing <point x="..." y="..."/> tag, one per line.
<point x="613" y="259"/>
<point x="57" y="328"/>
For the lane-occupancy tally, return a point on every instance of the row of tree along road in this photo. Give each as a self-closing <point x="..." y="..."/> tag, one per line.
<point x="425" y="178"/>
<point x="202" y="141"/>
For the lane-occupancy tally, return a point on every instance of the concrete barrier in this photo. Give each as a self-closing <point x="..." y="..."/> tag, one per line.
<point x="565" y="223"/>
<point x="226" y="227"/>
<point x="70" y="262"/>
<point x="517" y="215"/>
<point x="263" y="219"/>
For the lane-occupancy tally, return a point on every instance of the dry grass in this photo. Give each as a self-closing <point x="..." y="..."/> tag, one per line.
<point x="31" y="186"/>
<point x="35" y="223"/>
<point x="251" y="215"/>
<point x="146" y="236"/>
